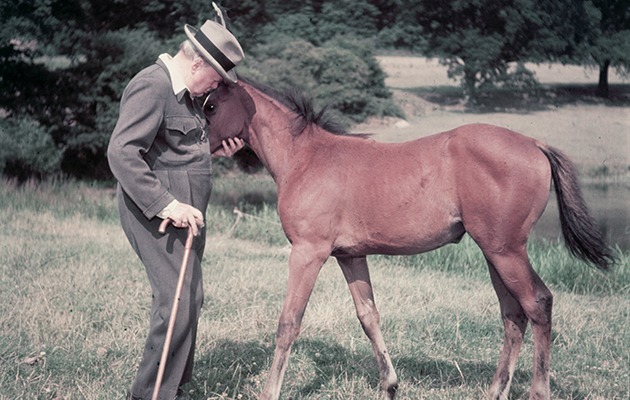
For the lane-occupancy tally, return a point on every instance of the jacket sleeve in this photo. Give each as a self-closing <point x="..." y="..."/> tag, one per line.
<point x="141" y="115"/>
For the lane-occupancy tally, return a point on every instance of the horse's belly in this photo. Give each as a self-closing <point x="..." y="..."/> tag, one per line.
<point x="401" y="236"/>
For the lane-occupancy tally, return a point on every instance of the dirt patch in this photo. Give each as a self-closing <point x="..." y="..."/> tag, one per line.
<point x="408" y="71"/>
<point x="563" y="113"/>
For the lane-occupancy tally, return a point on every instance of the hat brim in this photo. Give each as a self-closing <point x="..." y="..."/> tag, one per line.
<point x="228" y="76"/>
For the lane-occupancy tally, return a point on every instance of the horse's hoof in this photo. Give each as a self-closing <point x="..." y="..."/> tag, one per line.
<point x="391" y="391"/>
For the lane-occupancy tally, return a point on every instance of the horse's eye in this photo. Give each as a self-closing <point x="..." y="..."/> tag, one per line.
<point x="208" y="107"/>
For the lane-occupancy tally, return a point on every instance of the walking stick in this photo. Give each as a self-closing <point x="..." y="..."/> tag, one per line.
<point x="171" y="321"/>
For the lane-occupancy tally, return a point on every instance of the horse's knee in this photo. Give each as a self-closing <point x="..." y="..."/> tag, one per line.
<point x="536" y="302"/>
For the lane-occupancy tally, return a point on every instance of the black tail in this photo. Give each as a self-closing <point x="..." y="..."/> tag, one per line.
<point x="581" y="233"/>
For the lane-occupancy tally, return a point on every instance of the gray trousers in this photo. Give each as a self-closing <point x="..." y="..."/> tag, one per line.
<point x="162" y="257"/>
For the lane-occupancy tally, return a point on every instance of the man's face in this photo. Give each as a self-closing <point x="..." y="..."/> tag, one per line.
<point x="202" y="78"/>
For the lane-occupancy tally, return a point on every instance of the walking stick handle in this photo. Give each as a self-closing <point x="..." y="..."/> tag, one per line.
<point x="189" y="239"/>
<point x="163" y="225"/>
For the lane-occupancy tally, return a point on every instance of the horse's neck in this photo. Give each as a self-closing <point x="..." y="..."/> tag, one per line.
<point x="270" y="135"/>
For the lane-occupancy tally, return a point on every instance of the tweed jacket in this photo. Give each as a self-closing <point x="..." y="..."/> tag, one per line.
<point x="159" y="149"/>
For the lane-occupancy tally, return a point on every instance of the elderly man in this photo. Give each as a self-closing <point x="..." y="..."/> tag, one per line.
<point x="160" y="155"/>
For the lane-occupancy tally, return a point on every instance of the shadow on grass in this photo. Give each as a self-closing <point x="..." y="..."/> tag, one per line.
<point x="332" y="360"/>
<point x="228" y="367"/>
<point x="538" y="98"/>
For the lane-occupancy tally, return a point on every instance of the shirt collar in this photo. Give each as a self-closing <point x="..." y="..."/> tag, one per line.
<point x="177" y="82"/>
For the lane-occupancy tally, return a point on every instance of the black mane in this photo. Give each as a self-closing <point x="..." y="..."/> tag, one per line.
<point x="301" y="105"/>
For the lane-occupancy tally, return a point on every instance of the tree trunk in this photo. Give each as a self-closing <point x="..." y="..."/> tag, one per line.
<point x="602" y="86"/>
<point x="470" y="86"/>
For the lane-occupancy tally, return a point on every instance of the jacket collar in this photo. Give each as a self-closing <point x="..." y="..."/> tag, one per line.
<point x="177" y="83"/>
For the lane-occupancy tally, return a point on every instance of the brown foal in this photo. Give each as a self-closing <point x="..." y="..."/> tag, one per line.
<point x="347" y="196"/>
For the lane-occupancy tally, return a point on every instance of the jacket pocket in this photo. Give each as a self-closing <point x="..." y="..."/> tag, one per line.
<point x="181" y="124"/>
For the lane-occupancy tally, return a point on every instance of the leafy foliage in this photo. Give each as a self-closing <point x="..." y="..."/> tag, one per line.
<point x="342" y="75"/>
<point x="479" y="39"/>
<point x="64" y="63"/>
<point x="109" y="60"/>
<point x="27" y="149"/>
<point x="606" y="39"/>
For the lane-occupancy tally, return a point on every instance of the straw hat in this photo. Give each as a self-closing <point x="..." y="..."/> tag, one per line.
<point x="218" y="46"/>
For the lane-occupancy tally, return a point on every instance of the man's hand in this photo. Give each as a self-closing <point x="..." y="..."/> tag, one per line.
<point x="230" y="146"/>
<point x="184" y="215"/>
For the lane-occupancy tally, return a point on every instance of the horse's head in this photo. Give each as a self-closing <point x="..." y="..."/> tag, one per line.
<point x="229" y="110"/>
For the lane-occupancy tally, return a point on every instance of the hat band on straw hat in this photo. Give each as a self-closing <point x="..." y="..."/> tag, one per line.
<point x="214" y="51"/>
<point x="218" y="46"/>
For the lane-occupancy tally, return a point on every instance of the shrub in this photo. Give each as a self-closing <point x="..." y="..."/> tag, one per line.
<point x="27" y="149"/>
<point x="341" y="74"/>
<point x="112" y="59"/>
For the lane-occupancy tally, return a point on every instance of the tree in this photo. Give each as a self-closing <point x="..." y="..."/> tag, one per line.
<point x="609" y="41"/>
<point x="347" y="18"/>
<point x="64" y="63"/>
<point x="341" y="74"/>
<point x="479" y="39"/>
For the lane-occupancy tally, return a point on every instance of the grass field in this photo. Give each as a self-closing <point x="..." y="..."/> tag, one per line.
<point x="74" y="300"/>
<point x="75" y="304"/>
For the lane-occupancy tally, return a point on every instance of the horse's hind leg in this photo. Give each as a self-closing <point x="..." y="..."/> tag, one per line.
<point x="514" y="325"/>
<point x="355" y="270"/>
<point x="521" y="294"/>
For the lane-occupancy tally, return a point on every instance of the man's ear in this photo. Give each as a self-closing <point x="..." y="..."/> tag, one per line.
<point x="198" y="64"/>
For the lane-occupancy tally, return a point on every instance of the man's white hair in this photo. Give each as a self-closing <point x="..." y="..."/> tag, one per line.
<point x="191" y="52"/>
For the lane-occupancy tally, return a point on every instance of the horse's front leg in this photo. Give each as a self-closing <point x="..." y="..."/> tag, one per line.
<point x="305" y="262"/>
<point x="356" y="272"/>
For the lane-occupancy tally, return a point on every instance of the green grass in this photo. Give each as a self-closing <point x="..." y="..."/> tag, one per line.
<point x="75" y="304"/>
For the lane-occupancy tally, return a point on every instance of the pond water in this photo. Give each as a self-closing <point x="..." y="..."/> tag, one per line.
<point x="609" y="205"/>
